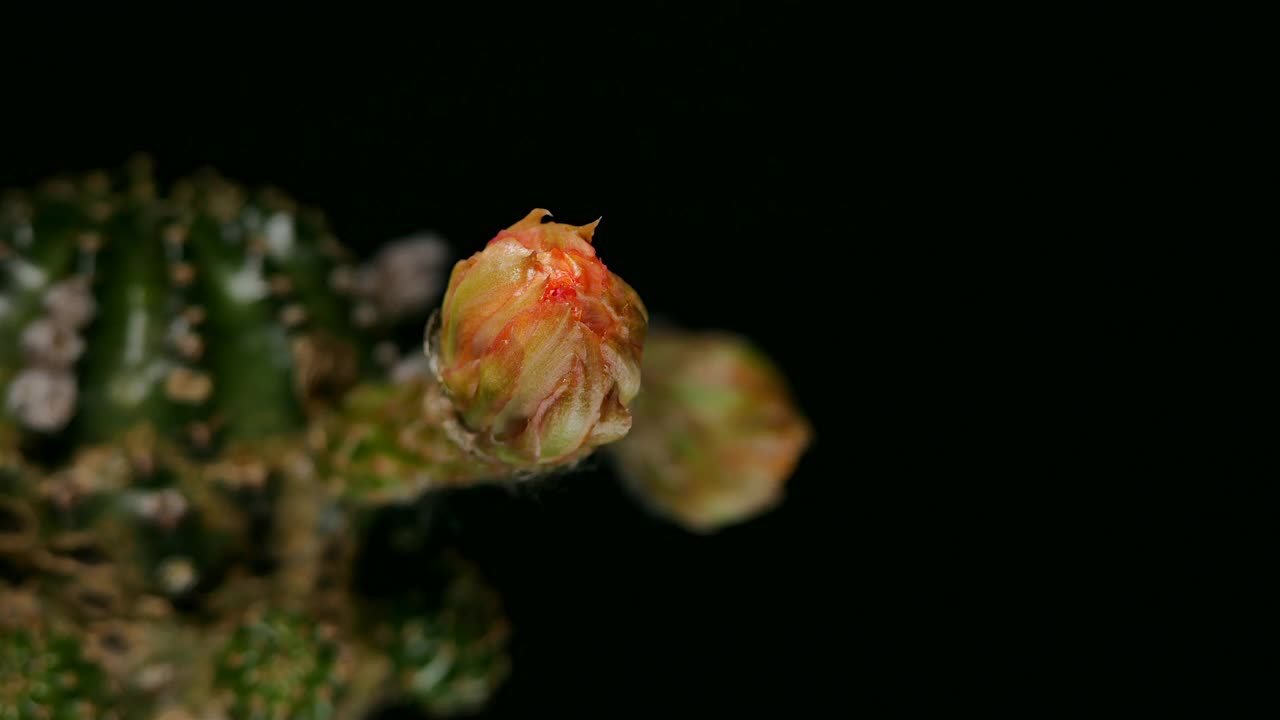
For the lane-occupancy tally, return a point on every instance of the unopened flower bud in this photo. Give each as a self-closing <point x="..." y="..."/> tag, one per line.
<point x="539" y="345"/>
<point x="716" y="433"/>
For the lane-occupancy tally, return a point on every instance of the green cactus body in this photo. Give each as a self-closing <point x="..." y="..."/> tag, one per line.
<point x="45" y="676"/>
<point x="179" y="438"/>
<point x="449" y="657"/>
<point x="281" y="666"/>
<point x="208" y="317"/>
<point x="156" y="353"/>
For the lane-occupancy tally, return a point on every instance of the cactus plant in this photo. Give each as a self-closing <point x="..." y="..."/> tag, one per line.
<point x="203" y="430"/>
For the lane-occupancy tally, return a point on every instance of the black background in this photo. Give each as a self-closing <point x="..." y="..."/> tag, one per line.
<point x="864" y="206"/>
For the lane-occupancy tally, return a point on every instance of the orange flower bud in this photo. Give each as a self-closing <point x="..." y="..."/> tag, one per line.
<point x="539" y="345"/>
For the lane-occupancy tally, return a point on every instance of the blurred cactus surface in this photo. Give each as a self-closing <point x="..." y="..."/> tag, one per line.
<point x="207" y="424"/>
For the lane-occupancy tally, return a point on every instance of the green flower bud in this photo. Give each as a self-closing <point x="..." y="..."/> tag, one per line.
<point x="716" y="433"/>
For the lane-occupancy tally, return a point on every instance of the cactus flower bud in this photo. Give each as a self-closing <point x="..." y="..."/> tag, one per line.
<point x="539" y="345"/>
<point x="717" y="433"/>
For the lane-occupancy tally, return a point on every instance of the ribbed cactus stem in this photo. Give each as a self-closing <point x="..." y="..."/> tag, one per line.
<point x="213" y="314"/>
<point x="291" y="255"/>
<point x="298" y="540"/>
<point x="36" y="350"/>
<point x="126" y="368"/>
<point x="249" y="360"/>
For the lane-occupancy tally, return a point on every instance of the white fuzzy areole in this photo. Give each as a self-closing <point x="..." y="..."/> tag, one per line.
<point x="130" y="389"/>
<point x="27" y="275"/>
<point x="42" y="399"/>
<point x="135" y="338"/>
<point x="23" y="236"/>
<point x="247" y="284"/>
<point x="280" y="235"/>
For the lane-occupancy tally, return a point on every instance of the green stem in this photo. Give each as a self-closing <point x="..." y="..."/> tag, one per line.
<point x="248" y="349"/>
<point x="126" y="368"/>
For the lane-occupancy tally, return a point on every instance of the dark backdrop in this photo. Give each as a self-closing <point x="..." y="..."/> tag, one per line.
<point x="743" y="184"/>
